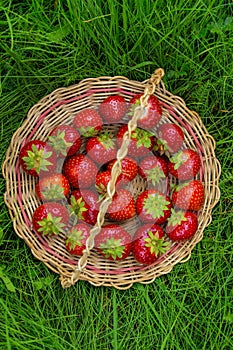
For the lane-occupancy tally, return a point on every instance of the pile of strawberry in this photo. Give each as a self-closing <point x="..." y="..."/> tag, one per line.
<point x="73" y="168"/>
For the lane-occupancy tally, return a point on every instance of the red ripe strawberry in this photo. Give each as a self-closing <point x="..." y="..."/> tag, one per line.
<point x="101" y="148"/>
<point x="185" y="164"/>
<point x="102" y="180"/>
<point x="153" y="168"/>
<point x="50" y="219"/>
<point x="149" y="243"/>
<point x="84" y="204"/>
<point x="122" y="206"/>
<point x="170" y="138"/>
<point x="129" y="169"/>
<point x="80" y="171"/>
<point x="113" y="108"/>
<point x="189" y="195"/>
<point x="37" y="158"/>
<point x="181" y="225"/>
<point x="153" y="206"/>
<point x="88" y="122"/>
<point x="76" y="238"/>
<point x="52" y="187"/>
<point x="65" y="140"/>
<point x="113" y="242"/>
<point x="152" y="115"/>
<point x="141" y="142"/>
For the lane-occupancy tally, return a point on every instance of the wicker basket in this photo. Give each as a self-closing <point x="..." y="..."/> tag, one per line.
<point x="60" y="107"/>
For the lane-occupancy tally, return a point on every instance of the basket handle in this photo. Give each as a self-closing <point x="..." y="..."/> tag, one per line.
<point x="115" y="172"/>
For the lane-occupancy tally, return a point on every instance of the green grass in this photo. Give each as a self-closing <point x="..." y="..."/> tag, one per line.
<point x="49" y="44"/>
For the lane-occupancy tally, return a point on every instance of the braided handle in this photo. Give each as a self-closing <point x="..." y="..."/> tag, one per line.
<point x="115" y="172"/>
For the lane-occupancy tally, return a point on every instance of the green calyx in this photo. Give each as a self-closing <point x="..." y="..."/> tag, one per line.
<point x="59" y="143"/>
<point x="101" y="196"/>
<point x="178" y="159"/>
<point x="163" y="143"/>
<point x="112" y="248"/>
<point x="155" y="175"/>
<point x="51" y="225"/>
<point x="176" y="218"/>
<point x="156" y="205"/>
<point x="37" y="159"/>
<point x="179" y="186"/>
<point x="53" y="192"/>
<point x="75" y="238"/>
<point x="101" y="188"/>
<point x="106" y="139"/>
<point x="144" y="110"/>
<point x="158" y="246"/>
<point x="88" y="131"/>
<point x="133" y="107"/>
<point x="162" y="147"/>
<point x="78" y="207"/>
<point x="143" y="137"/>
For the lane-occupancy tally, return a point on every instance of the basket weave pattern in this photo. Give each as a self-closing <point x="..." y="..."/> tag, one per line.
<point x="60" y="107"/>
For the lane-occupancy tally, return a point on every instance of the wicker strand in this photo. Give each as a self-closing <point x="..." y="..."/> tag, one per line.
<point x="115" y="172"/>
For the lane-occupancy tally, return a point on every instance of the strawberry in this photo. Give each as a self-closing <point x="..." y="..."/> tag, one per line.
<point x="65" y="140"/>
<point x="170" y="138"/>
<point x="189" y="195"/>
<point x="52" y="187"/>
<point x="153" y="168"/>
<point x="181" y="225"/>
<point x="37" y="158"/>
<point x="84" y="205"/>
<point x="101" y="148"/>
<point x="122" y="206"/>
<point x="185" y="164"/>
<point x="113" y="242"/>
<point x="76" y="238"/>
<point x="101" y="181"/>
<point x="80" y="171"/>
<point x="153" y="206"/>
<point x="113" y="108"/>
<point x="88" y="122"/>
<point x="141" y="142"/>
<point x="50" y="219"/>
<point x="129" y="169"/>
<point x="153" y="113"/>
<point x="149" y="244"/>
